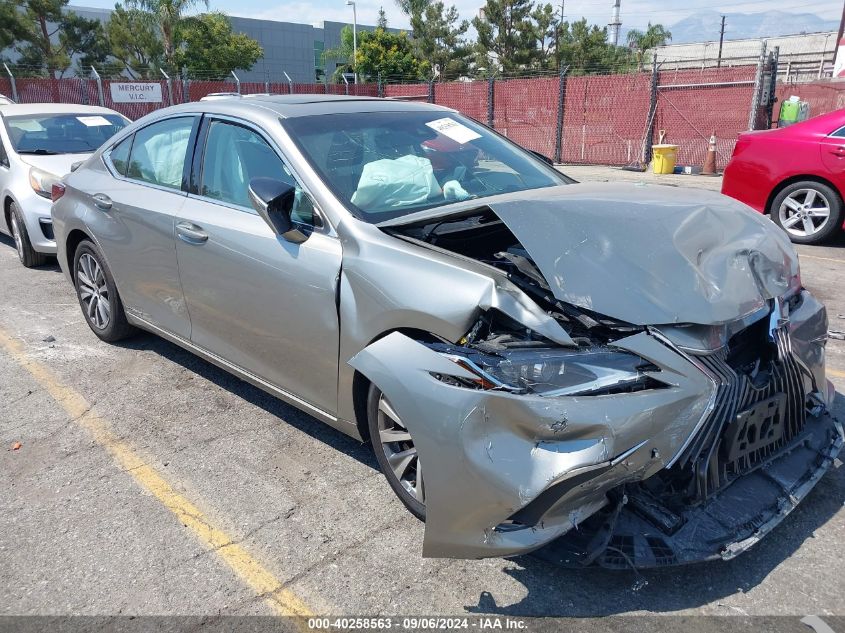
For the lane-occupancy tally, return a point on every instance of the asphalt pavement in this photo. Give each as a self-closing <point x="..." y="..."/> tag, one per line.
<point x="138" y="479"/>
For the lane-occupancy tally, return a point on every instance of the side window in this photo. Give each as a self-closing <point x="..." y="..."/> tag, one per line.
<point x="233" y="156"/>
<point x="840" y="132"/>
<point x="158" y="153"/>
<point x="119" y="155"/>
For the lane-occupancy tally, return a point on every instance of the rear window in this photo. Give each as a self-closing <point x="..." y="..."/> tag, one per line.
<point x="61" y="133"/>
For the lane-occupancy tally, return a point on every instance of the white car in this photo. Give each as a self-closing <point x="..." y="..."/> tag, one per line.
<point x="39" y="142"/>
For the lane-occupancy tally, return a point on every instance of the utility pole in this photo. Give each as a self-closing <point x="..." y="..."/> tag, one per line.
<point x="557" y="37"/>
<point x="615" y="23"/>
<point x="721" y="41"/>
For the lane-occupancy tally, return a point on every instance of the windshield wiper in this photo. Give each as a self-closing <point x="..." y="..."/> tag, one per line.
<point x="39" y="151"/>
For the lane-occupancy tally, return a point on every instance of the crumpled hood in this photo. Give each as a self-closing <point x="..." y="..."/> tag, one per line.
<point x="58" y="164"/>
<point x="651" y="254"/>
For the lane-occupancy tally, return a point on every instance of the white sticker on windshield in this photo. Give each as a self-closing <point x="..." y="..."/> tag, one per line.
<point x="456" y="131"/>
<point x="93" y="121"/>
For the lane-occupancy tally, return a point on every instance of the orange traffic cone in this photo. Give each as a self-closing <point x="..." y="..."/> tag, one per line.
<point x="709" y="168"/>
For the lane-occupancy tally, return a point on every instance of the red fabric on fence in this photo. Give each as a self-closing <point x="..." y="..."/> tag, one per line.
<point x="525" y="110"/>
<point x="5" y="87"/>
<point x="824" y="95"/>
<point x="469" y="98"/>
<point x="605" y="118"/>
<point x="199" y="89"/>
<point x="136" y="110"/>
<point x="690" y="113"/>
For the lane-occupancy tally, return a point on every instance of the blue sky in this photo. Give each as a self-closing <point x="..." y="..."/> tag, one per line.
<point x="635" y="13"/>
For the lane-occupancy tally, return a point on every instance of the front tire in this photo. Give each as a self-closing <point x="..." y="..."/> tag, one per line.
<point x="810" y="212"/>
<point x="395" y="452"/>
<point x="29" y="257"/>
<point x="97" y="294"/>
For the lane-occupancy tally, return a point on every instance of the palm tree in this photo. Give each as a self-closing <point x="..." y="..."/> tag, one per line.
<point x="168" y="14"/>
<point x="642" y="41"/>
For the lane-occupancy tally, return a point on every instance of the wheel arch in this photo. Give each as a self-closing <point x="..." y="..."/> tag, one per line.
<point x="361" y="384"/>
<point x="74" y="239"/>
<point x="799" y="178"/>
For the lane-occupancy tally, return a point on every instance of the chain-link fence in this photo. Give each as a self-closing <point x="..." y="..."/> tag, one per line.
<point x="611" y="119"/>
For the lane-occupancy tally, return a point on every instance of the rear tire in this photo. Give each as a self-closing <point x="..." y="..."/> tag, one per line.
<point x="808" y="211"/>
<point x="97" y="294"/>
<point x="29" y="257"/>
<point x="397" y="456"/>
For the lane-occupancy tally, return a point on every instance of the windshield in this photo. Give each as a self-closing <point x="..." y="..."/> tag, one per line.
<point x="384" y="165"/>
<point x="61" y="133"/>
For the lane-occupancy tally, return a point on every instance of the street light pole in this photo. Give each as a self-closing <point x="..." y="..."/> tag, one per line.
<point x="351" y="3"/>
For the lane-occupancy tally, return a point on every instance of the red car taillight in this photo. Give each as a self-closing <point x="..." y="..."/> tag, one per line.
<point x="57" y="191"/>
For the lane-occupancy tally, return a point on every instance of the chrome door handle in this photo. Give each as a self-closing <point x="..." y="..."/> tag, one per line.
<point x="191" y="233"/>
<point x="102" y="201"/>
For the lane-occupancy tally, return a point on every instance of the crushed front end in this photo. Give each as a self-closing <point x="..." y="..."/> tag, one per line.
<point x="659" y="406"/>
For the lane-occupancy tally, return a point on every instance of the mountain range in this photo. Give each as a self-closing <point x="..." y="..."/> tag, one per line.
<point x="704" y="25"/>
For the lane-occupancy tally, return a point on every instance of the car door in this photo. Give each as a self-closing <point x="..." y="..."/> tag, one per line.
<point x="5" y="175"/>
<point x="259" y="302"/>
<point x="133" y="218"/>
<point x="832" y="149"/>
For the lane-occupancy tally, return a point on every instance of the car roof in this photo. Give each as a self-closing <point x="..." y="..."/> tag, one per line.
<point x="297" y="105"/>
<point x="15" y="109"/>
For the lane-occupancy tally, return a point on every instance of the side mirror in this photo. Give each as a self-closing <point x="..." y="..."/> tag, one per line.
<point x="273" y="200"/>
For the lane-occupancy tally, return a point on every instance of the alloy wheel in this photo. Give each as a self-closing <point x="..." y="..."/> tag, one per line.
<point x="93" y="291"/>
<point x="16" y="234"/>
<point x="804" y="212"/>
<point x="399" y="450"/>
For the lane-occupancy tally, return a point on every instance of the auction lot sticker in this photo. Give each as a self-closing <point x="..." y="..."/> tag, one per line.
<point x="135" y="92"/>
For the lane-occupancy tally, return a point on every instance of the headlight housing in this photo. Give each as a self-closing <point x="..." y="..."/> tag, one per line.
<point x="42" y="181"/>
<point x="556" y="371"/>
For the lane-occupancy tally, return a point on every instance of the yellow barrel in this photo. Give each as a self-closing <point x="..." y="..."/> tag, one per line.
<point x="664" y="158"/>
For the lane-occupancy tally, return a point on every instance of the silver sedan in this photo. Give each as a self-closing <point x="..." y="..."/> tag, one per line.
<point x="526" y="355"/>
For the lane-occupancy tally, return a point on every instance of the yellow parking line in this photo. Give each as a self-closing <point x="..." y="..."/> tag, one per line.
<point x="824" y="259"/>
<point x="253" y="573"/>
<point x="835" y="373"/>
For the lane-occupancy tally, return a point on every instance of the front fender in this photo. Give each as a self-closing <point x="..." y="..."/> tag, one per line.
<point x="488" y="455"/>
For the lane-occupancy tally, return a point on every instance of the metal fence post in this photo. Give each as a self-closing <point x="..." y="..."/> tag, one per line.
<point x="12" y="81"/>
<point x="758" y="84"/>
<point x="237" y="82"/>
<point x="771" y="98"/>
<point x="380" y="88"/>
<point x="431" y="91"/>
<point x="490" y="105"/>
<point x="290" y="82"/>
<point x="561" y="97"/>
<point x="652" y="112"/>
<point x="99" y="81"/>
<point x="186" y="97"/>
<point x="83" y="91"/>
<point x="169" y="86"/>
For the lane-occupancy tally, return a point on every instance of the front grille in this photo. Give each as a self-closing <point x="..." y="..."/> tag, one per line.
<point x="723" y="449"/>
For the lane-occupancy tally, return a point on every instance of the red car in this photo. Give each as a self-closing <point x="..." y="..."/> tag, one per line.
<point x="796" y="174"/>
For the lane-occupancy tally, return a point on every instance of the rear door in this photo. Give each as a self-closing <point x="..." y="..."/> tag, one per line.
<point x="256" y="300"/>
<point x="133" y="217"/>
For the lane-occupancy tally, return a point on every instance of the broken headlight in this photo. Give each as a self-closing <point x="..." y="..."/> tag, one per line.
<point x="556" y="372"/>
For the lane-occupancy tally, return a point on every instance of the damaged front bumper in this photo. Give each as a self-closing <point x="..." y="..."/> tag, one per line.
<point x="507" y="473"/>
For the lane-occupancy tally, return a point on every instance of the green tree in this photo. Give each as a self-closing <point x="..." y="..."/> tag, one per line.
<point x="385" y="54"/>
<point x="12" y="26"/>
<point x="438" y="36"/>
<point x="168" y="15"/>
<point x="208" y="44"/>
<point x="48" y="37"/>
<point x="134" y="42"/>
<point x="343" y="55"/>
<point x="546" y="25"/>
<point x="643" y="41"/>
<point x="584" y="48"/>
<point x="506" y="34"/>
